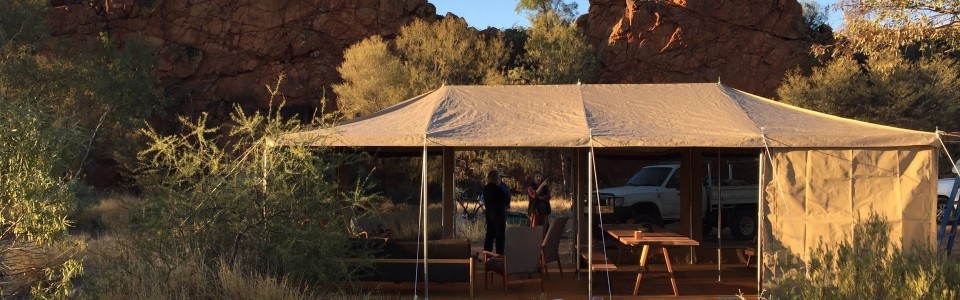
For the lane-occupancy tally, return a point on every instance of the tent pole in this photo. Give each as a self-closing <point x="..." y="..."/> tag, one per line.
<point x="719" y="216"/>
<point x="760" y="229"/>
<point x="590" y="174"/>
<point x="578" y="204"/>
<point x="424" y="206"/>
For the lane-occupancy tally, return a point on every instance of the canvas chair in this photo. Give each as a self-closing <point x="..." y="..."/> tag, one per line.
<point x="521" y="249"/>
<point x="550" y="250"/>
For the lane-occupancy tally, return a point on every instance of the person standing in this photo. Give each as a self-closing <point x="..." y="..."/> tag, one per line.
<point x="496" y="214"/>
<point x="506" y="190"/>
<point x="539" y="206"/>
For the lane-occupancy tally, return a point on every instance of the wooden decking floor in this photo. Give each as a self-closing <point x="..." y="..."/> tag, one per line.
<point x="697" y="281"/>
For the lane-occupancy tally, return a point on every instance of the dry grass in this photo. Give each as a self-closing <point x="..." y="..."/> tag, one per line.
<point x="237" y="284"/>
<point x="110" y="214"/>
<point x="25" y="263"/>
<point x="119" y="274"/>
<point x="403" y="219"/>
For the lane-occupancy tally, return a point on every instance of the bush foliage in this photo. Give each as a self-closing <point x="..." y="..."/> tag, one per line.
<point x="869" y="266"/>
<point x="234" y="191"/>
<point x="916" y="94"/>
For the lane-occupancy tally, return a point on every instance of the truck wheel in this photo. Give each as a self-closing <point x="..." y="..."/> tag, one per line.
<point x="744" y="224"/>
<point x="941" y="208"/>
<point x="708" y="227"/>
<point x="642" y="216"/>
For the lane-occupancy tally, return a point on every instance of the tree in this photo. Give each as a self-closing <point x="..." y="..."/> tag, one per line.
<point x="874" y="26"/>
<point x="426" y="56"/>
<point x="566" y="11"/>
<point x="448" y="52"/>
<point x="373" y="78"/>
<point x="814" y="15"/>
<point x="888" y="90"/>
<point x="557" y="52"/>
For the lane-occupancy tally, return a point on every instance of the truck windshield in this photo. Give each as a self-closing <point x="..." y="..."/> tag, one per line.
<point x="649" y="176"/>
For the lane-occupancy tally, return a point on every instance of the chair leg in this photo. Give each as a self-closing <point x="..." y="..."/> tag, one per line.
<point x="486" y="278"/>
<point x="543" y="264"/>
<point x="504" y="283"/>
<point x="559" y="266"/>
<point x="749" y="257"/>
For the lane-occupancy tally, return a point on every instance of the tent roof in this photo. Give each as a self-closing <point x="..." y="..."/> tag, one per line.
<point x="604" y="115"/>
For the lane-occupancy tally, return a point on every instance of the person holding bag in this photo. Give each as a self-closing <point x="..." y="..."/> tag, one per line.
<point x="538" y="208"/>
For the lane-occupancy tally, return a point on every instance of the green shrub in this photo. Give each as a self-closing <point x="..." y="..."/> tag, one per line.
<point x="868" y="266"/>
<point x="231" y="191"/>
<point x="37" y="193"/>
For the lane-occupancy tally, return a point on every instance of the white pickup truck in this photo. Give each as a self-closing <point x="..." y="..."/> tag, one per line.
<point x="944" y="187"/>
<point x="652" y="196"/>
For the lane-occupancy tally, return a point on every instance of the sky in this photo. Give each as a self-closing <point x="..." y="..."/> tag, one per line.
<point x="501" y="13"/>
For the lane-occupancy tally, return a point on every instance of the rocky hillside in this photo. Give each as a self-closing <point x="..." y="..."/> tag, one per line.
<point x="213" y="52"/>
<point x="746" y="44"/>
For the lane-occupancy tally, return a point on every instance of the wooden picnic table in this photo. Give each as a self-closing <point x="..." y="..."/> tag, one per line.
<point x="657" y="239"/>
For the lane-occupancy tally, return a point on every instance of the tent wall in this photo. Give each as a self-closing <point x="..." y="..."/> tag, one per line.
<point x="811" y="195"/>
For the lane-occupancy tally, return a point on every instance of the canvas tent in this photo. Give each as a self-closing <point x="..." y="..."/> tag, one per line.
<point x="819" y="172"/>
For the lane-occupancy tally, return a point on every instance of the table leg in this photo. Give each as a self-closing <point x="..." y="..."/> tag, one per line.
<point x="673" y="281"/>
<point x="643" y="268"/>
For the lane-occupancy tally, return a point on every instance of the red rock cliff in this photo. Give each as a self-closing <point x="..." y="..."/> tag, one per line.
<point x="747" y="44"/>
<point x="214" y="52"/>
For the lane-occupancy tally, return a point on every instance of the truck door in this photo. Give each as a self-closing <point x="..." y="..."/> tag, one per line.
<point x="670" y="197"/>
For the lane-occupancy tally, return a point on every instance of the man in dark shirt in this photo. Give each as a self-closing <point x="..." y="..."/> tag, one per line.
<point x="496" y="214"/>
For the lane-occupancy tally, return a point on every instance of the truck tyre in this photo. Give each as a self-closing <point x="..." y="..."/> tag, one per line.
<point x="646" y="215"/>
<point x="708" y="227"/>
<point x="744" y="224"/>
<point x="941" y="208"/>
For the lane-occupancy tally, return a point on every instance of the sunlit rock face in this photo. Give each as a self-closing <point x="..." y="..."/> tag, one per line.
<point x="746" y="44"/>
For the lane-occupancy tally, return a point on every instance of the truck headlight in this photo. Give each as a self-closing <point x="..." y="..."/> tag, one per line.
<point x="617" y="201"/>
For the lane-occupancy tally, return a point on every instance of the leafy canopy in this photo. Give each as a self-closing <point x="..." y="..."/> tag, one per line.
<point x="888" y="90"/>
<point x="566" y="11"/>
<point x="367" y="89"/>
<point x="426" y="56"/>
<point x="873" y="26"/>
<point x="556" y="52"/>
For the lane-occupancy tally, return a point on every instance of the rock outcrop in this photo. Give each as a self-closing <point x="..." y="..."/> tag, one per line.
<point x="746" y="44"/>
<point x="215" y="52"/>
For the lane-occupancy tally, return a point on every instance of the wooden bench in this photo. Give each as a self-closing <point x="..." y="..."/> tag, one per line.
<point x="413" y="261"/>
<point x="394" y="260"/>
<point x="747" y="248"/>
<point x="600" y="261"/>
<point x="750" y="253"/>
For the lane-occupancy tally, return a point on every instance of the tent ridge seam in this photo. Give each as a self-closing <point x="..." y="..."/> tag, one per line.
<point x="586" y="120"/>
<point x="732" y="97"/>
<point x="426" y="128"/>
